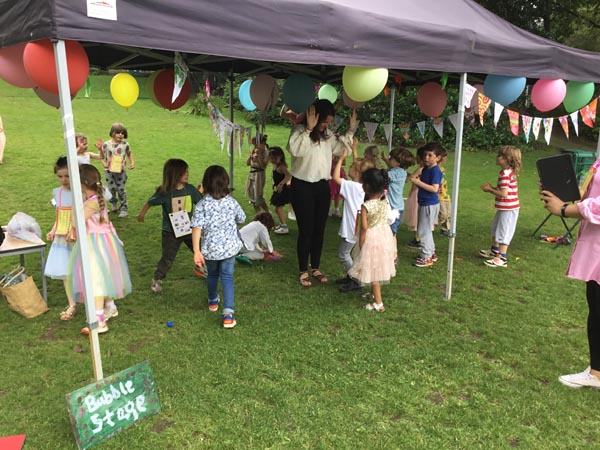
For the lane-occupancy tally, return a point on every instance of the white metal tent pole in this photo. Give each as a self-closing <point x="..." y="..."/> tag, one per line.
<point x="60" y="57"/>
<point x="232" y="131"/>
<point x="455" y="182"/>
<point x="392" y="97"/>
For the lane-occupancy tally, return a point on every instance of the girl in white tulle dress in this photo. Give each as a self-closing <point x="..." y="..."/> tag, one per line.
<point x="374" y="259"/>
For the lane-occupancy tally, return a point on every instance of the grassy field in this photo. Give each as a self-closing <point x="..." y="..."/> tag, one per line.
<point x="304" y="368"/>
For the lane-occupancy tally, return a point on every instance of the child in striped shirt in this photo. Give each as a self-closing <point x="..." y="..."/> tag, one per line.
<point x="507" y="205"/>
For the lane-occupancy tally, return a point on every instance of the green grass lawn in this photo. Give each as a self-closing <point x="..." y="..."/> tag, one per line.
<point x="304" y="368"/>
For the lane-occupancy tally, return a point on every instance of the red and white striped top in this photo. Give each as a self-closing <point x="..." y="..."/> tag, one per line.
<point x="508" y="180"/>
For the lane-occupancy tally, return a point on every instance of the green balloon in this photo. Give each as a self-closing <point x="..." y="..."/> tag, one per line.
<point x="579" y="94"/>
<point x="363" y="83"/>
<point x="328" y="92"/>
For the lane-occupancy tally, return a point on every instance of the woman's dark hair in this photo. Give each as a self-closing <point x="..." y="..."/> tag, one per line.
<point x="375" y="181"/>
<point x="173" y="170"/>
<point x="324" y="109"/>
<point x="403" y="157"/>
<point x="118" y="128"/>
<point x="60" y="163"/>
<point x="216" y="182"/>
<point x="266" y="219"/>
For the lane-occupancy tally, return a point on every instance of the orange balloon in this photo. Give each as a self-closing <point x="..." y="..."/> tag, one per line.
<point x="38" y="59"/>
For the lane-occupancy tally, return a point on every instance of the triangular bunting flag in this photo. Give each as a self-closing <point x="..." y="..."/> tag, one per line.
<point x="421" y="127"/>
<point x="337" y="120"/>
<point x="535" y="128"/>
<point x="588" y="113"/>
<point x="405" y="130"/>
<point x="241" y="131"/>
<point x="181" y="73"/>
<point x="387" y="127"/>
<point x="564" y="123"/>
<point x="371" y="127"/>
<point x="229" y="133"/>
<point x="454" y="120"/>
<point x="87" y="88"/>
<point x="222" y="127"/>
<point x="548" y="122"/>
<point x="484" y="104"/>
<point x="498" y="108"/>
<point x="12" y="442"/>
<point x="468" y="94"/>
<point x="438" y="126"/>
<point x="575" y="121"/>
<point x="526" y="126"/>
<point x="513" y="120"/>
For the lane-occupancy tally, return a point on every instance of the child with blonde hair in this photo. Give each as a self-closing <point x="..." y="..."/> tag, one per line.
<point x="506" y="203"/>
<point x="110" y="272"/>
<point x="372" y="154"/>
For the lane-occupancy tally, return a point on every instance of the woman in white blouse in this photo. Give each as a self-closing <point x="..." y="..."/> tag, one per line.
<point x="312" y="145"/>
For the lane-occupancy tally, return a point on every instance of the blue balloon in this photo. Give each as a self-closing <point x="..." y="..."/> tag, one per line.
<point x="244" y="96"/>
<point x="298" y="92"/>
<point x="503" y="89"/>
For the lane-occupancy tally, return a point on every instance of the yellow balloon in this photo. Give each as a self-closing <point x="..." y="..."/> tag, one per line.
<point x="362" y="84"/>
<point x="124" y="89"/>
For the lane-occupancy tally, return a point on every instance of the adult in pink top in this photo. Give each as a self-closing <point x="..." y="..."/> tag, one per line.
<point x="585" y="266"/>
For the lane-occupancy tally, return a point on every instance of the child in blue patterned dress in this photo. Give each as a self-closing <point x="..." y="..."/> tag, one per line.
<point x="215" y="220"/>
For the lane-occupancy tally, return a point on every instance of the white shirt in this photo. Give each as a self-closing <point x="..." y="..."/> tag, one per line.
<point x="311" y="161"/>
<point x="254" y="234"/>
<point x="354" y="197"/>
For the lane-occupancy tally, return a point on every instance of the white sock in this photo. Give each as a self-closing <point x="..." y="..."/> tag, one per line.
<point x="110" y="304"/>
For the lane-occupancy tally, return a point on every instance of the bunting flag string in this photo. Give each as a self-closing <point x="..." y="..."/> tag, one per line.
<point x="484" y="104"/>
<point x="468" y="94"/>
<point x="588" y="113"/>
<point x="548" y="122"/>
<point x="526" y="126"/>
<point x="387" y="128"/>
<point x="421" y="127"/>
<point x="564" y="123"/>
<point x="438" y="126"/>
<point x="454" y="120"/>
<point x="405" y="130"/>
<point x="371" y="127"/>
<point x="498" y="108"/>
<point x="535" y="128"/>
<point x="513" y="119"/>
<point x="575" y="121"/>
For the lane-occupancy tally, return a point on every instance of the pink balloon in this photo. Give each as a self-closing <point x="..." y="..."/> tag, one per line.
<point x="548" y="93"/>
<point x="12" y="69"/>
<point x="431" y="99"/>
<point x="352" y="104"/>
<point x="48" y="97"/>
<point x="475" y="99"/>
<point x="264" y="92"/>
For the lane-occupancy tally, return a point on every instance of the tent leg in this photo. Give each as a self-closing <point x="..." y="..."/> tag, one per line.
<point x="60" y="57"/>
<point x="455" y="183"/>
<point x="233" y="132"/>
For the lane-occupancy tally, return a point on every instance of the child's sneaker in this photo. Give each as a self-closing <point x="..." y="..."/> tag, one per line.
<point x="281" y="229"/>
<point x="109" y="313"/>
<point x="337" y="212"/>
<point x="414" y="244"/>
<point x="487" y="253"/>
<point x="423" y="262"/>
<point x="434" y="258"/>
<point x="213" y="305"/>
<point x="123" y="214"/>
<point x="156" y="286"/>
<point x="102" y="328"/>
<point x="200" y="271"/>
<point x="496" y="262"/>
<point x="228" y="320"/>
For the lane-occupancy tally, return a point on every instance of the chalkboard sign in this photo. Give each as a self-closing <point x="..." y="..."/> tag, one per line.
<point x="101" y="409"/>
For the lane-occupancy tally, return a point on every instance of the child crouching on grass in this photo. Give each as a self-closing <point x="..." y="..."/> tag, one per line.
<point x="507" y="205"/>
<point x="256" y="233"/>
<point x="215" y="220"/>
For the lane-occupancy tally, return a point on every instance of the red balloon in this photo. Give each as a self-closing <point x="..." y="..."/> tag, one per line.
<point x="163" y="90"/>
<point x="38" y="59"/>
<point x="11" y="67"/>
<point x="431" y="99"/>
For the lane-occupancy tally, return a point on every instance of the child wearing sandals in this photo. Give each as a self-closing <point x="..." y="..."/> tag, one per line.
<point x="214" y="224"/>
<point x="60" y="250"/>
<point x="374" y="262"/>
<point x="281" y="188"/>
<point x="109" y="270"/>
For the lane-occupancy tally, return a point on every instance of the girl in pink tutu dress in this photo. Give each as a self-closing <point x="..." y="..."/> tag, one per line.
<point x="373" y="262"/>
<point x="110" y="272"/>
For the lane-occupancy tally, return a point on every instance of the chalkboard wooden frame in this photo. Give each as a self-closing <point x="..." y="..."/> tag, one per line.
<point x="101" y="409"/>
